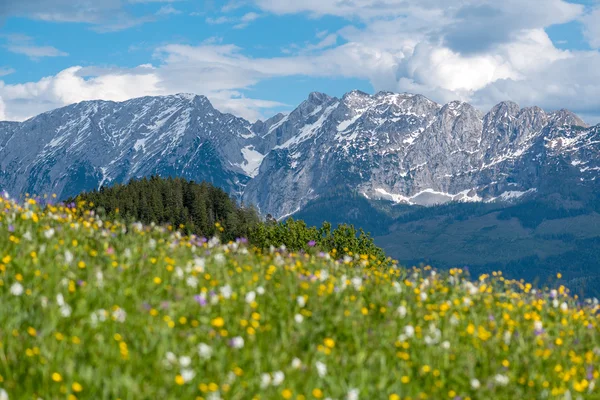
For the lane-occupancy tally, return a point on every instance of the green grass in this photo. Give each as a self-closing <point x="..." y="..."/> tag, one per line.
<point x="97" y="310"/>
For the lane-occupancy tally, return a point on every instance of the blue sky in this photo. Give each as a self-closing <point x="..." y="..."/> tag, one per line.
<point x="258" y="57"/>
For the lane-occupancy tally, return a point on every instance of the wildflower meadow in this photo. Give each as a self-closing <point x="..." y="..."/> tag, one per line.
<point x="99" y="309"/>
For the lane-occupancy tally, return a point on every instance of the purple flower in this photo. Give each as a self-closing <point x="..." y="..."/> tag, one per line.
<point x="312" y="243"/>
<point x="164" y="305"/>
<point x="200" y="299"/>
<point x="11" y="228"/>
<point x="146" y="306"/>
<point x="80" y="282"/>
<point x="242" y="240"/>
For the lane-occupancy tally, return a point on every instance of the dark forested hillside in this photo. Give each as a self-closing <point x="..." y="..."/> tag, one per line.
<point x="205" y="210"/>
<point x="175" y="201"/>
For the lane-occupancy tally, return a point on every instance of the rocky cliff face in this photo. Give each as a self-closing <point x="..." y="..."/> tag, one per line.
<point x="401" y="147"/>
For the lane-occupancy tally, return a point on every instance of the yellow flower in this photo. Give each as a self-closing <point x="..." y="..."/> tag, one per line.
<point x="218" y="322"/>
<point x="505" y="363"/>
<point x="394" y="396"/>
<point x="157" y="280"/>
<point x="56" y="377"/>
<point x="329" y="343"/>
<point x="32" y="332"/>
<point x="405" y="379"/>
<point x="317" y="393"/>
<point x="286" y="394"/>
<point x="76" y="387"/>
<point x="179" y="380"/>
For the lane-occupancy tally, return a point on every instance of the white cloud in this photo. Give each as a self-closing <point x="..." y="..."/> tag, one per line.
<point x="6" y="71"/>
<point x="22" y="44"/>
<point x="591" y="31"/>
<point x="168" y="10"/>
<point x="2" y="110"/>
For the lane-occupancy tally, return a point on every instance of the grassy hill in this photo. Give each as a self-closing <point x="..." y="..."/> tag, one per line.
<point x="97" y="309"/>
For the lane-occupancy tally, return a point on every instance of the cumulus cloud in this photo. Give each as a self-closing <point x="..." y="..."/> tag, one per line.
<point x="479" y="51"/>
<point x="591" y="31"/>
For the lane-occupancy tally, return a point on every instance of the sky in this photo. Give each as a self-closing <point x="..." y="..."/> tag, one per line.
<point x="255" y="58"/>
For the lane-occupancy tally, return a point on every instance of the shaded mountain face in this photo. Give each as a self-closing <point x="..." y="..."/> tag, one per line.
<point x="399" y="147"/>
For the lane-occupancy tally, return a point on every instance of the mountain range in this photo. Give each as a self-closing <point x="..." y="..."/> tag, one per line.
<point x="403" y="148"/>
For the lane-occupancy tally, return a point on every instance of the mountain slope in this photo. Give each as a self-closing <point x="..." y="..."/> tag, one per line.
<point x="399" y="147"/>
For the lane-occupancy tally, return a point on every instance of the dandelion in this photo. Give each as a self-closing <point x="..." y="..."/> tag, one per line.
<point x="16" y="289"/>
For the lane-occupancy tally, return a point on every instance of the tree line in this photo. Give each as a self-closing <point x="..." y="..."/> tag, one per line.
<point x="205" y="210"/>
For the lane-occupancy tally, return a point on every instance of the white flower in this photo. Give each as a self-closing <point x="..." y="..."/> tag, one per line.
<point x="214" y="396"/>
<point x="475" y="384"/>
<point x="397" y="287"/>
<point x="68" y="257"/>
<point x="298" y="318"/>
<point x="445" y="344"/>
<point x="192" y="281"/>
<point x="538" y="326"/>
<point x="321" y="368"/>
<point x="44" y="301"/>
<point x="250" y="297"/>
<point x="423" y="296"/>
<point x="323" y="275"/>
<point x="347" y="259"/>
<point x="219" y="259"/>
<point x="185" y="361"/>
<point x="260" y="290"/>
<point x="226" y="291"/>
<point x="65" y="311"/>
<point x="27" y="236"/>
<point x="296" y="363"/>
<point x="16" y="289"/>
<point x="179" y="272"/>
<point x="60" y="300"/>
<point x="301" y="301"/>
<point x="49" y="233"/>
<point x="171" y="358"/>
<point x="409" y="331"/>
<point x="204" y="351"/>
<point x="237" y="342"/>
<point x="99" y="279"/>
<point x="401" y="311"/>
<point x="101" y="315"/>
<point x="352" y="394"/>
<point x="467" y="301"/>
<point x="564" y="307"/>
<point x="265" y="380"/>
<point x="3" y="394"/>
<point x="507" y="337"/>
<point x="356" y="282"/>
<point x="152" y="243"/>
<point x="119" y="315"/>
<point x="199" y="264"/>
<point x="555" y="303"/>
<point x="278" y="378"/>
<point x="501" y="380"/>
<point x="454" y="320"/>
<point x="187" y="374"/>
